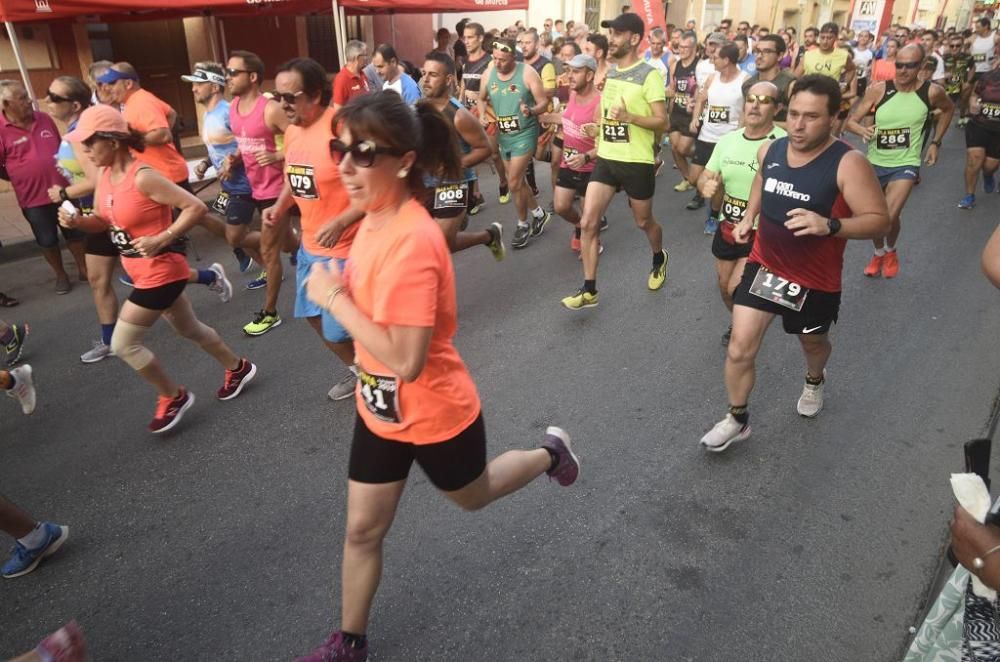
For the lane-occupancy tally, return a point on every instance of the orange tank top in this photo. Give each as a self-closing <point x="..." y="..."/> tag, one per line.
<point x="130" y="214"/>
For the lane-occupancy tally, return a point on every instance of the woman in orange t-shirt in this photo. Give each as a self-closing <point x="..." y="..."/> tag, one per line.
<point x="885" y="69"/>
<point x="416" y="400"/>
<point x="133" y="203"/>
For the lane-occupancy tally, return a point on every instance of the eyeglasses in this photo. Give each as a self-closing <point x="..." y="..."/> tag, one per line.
<point x="762" y="99"/>
<point x="55" y="98"/>
<point x="287" y="97"/>
<point x="233" y="73"/>
<point x="764" y="51"/>
<point x="362" y="153"/>
<point x="908" y="65"/>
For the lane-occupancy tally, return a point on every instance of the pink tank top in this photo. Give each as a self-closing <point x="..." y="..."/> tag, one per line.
<point x="574" y="139"/>
<point x="253" y="135"/>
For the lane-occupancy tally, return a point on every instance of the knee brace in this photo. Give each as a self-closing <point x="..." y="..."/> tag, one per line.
<point x="127" y="345"/>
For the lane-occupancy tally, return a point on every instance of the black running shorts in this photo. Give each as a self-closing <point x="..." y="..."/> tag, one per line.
<point x="723" y="250"/>
<point x="637" y="179"/>
<point x="702" y="152"/>
<point x="450" y="465"/>
<point x="158" y="298"/>
<point x="572" y="179"/>
<point x="978" y="136"/>
<point x="817" y="316"/>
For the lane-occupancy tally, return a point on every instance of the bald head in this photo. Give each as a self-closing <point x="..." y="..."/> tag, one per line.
<point x="760" y="107"/>
<point x="126" y="68"/>
<point x="913" y="53"/>
<point x="764" y="87"/>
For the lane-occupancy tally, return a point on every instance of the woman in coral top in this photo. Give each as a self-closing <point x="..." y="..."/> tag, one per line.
<point x="416" y="400"/>
<point x="133" y="203"/>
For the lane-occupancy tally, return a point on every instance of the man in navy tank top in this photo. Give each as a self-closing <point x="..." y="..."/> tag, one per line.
<point x="812" y="193"/>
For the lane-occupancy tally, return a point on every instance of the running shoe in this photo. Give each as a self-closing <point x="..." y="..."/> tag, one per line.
<point x="15" y="347"/>
<point x="521" y="235"/>
<point x="604" y="224"/>
<point x="582" y="299"/>
<point x="989" y="182"/>
<point x="874" y="267"/>
<point x="697" y="202"/>
<point x="344" y="388"/>
<point x="504" y="196"/>
<point x="259" y="282"/>
<point x="24" y="560"/>
<point x="811" y="401"/>
<point x="170" y="411"/>
<point x="684" y="186"/>
<point x="567" y="468"/>
<point x="890" y="267"/>
<point x="126" y="280"/>
<point x="262" y="323"/>
<point x="711" y="225"/>
<point x="968" y="202"/>
<point x="574" y="243"/>
<point x="727" y="336"/>
<point x="221" y="286"/>
<point x="335" y="649"/>
<point x="658" y="275"/>
<point x="64" y="645"/>
<point x="236" y="380"/>
<point x="538" y="224"/>
<point x="478" y="203"/>
<point x="63" y="286"/>
<point x="496" y="242"/>
<point x="24" y="388"/>
<point x="98" y="352"/>
<point x="245" y="261"/>
<point x="725" y="433"/>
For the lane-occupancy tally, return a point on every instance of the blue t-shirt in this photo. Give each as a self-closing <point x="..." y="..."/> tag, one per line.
<point x="217" y="134"/>
<point x="748" y="65"/>
<point x="406" y="87"/>
<point x="71" y="169"/>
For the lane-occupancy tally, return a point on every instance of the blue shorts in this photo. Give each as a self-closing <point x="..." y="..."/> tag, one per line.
<point x="891" y="174"/>
<point x="332" y="331"/>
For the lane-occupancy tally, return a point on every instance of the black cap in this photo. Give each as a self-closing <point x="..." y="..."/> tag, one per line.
<point x="628" y="22"/>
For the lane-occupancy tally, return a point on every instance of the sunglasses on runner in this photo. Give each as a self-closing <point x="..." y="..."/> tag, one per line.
<point x="55" y="98"/>
<point x="287" y="97"/>
<point x="362" y="153"/>
<point x="908" y="65"/>
<point x="762" y="99"/>
<point x="500" y="46"/>
<point x="233" y="73"/>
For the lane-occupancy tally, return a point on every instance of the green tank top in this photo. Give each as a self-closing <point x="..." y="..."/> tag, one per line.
<point x="735" y="158"/>
<point x="506" y="97"/>
<point x="899" y="125"/>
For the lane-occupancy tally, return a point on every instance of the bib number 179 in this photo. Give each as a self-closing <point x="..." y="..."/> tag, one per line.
<point x="772" y="287"/>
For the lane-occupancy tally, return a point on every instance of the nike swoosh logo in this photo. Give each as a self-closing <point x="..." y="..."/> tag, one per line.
<point x="812" y="329"/>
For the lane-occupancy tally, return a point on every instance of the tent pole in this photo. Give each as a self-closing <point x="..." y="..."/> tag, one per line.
<point x="343" y="36"/>
<point x="12" y="33"/>
<point x="338" y="29"/>
<point x="213" y="41"/>
<point x="222" y="36"/>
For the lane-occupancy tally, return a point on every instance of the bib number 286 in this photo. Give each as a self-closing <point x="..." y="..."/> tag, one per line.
<point x="381" y="396"/>
<point x="772" y="287"/>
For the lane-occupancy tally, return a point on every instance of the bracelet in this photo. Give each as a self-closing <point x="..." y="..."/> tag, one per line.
<point x="332" y="294"/>
<point x="63" y="195"/>
<point x="978" y="563"/>
<point x="170" y="232"/>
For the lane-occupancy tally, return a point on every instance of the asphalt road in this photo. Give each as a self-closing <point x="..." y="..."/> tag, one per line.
<point x="814" y="540"/>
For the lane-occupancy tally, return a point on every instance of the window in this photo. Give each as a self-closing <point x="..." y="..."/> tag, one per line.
<point x="36" y="46"/>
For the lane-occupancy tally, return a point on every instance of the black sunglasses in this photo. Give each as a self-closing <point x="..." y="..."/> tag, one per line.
<point x="287" y="97"/>
<point x="55" y="98"/>
<point x="362" y="153"/>
<point x="233" y="73"/>
<point x="908" y="65"/>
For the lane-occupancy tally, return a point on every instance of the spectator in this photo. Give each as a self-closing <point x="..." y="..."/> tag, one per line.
<point x="29" y="141"/>
<point x="351" y="81"/>
<point x="389" y="69"/>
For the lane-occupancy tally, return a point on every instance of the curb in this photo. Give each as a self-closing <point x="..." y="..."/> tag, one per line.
<point x="21" y="249"/>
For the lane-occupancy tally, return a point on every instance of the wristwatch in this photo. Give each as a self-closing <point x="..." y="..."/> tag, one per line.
<point x="936" y="143"/>
<point x="833" y="224"/>
<point x="63" y="195"/>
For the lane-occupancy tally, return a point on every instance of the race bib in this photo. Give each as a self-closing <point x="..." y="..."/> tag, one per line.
<point x="718" y="114"/>
<point x="451" y="196"/>
<point x="302" y="180"/>
<point x="776" y="289"/>
<point x="221" y="203"/>
<point x="381" y="396"/>
<point x="893" y="138"/>
<point x="733" y="208"/>
<point x="613" y="131"/>
<point x="122" y="241"/>
<point x="990" y="111"/>
<point x="681" y="101"/>
<point x="979" y="58"/>
<point x="509" y="123"/>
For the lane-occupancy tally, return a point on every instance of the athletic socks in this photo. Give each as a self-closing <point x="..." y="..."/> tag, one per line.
<point x="206" y="276"/>
<point x="354" y="640"/>
<point x="590" y="286"/>
<point x="890" y="249"/>
<point x="107" y="330"/>
<point x="35" y="539"/>
<point x="658" y="259"/>
<point x="538" y="212"/>
<point x="813" y="381"/>
<point x="7" y="336"/>
<point x="880" y="252"/>
<point x="740" y="413"/>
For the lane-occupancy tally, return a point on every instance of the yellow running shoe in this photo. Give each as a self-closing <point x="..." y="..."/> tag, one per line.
<point x="582" y="299"/>
<point x="504" y="196"/>
<point x="685" y="185"/>
<point x="658" y="274"/>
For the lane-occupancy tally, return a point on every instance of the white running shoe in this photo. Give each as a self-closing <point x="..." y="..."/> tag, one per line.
<point x="811" y="400"/>
<point x="725" y="433"/>
<point x="99" y="352"/>
<point x="24" y="388"/>
<point x="221" y="286"/>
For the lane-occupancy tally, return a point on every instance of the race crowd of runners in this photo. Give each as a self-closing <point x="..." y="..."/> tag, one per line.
<point x="366" y="182"/>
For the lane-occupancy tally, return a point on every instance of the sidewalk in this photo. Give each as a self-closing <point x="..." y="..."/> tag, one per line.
<point x="13" y="227"/>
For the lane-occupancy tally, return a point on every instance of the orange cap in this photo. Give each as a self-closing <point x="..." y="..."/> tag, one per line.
<point x="97" y="119"/>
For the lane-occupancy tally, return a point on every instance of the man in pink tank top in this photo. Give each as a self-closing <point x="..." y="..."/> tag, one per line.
<point x="578" y="117"/>
<point x="256" y="121"/>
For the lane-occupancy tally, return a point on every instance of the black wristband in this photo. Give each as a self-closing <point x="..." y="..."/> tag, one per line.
<point x="63" y="195"/>
<point x="833" y="225"/>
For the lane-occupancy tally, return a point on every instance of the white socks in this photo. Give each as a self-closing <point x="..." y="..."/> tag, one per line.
<point x="880" y="252"/>
<point x="537" y="212"/>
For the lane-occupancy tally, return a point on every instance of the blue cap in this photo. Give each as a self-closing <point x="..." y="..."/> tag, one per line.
<point x="113" y="75"/>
